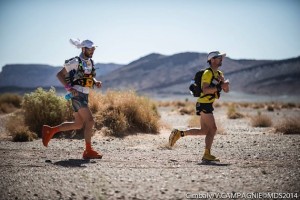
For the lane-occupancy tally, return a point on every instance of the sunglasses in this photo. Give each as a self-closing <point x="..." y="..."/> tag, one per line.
<point x="90" y="49"/>
<point x="217" y="57"/>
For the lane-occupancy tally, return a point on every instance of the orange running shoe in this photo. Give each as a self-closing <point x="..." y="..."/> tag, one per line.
<point x="91" y="154"/>
<point x="47" y="134"/>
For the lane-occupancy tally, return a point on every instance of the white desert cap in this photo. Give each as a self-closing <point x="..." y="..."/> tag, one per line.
<point x="215" y="54"/>
<point x="88" y="44"/>
<point x="80" y="44"/>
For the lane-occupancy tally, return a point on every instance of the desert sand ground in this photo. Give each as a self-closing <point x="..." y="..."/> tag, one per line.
<point x="141" y="166"/>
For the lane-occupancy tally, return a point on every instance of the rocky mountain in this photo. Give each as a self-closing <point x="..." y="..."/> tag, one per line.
<point x="162" y="74"/>
<point x="34" y="75"/>
<point x="29" y="76"/>
<point x="272" y="78"/>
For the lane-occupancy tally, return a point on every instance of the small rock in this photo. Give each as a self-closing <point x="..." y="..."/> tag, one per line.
<point x="48" y="161"/>
<point x="263" y="172"/>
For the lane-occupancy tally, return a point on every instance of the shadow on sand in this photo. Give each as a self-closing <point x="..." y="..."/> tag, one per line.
<point x="214" y="164"/>
<point x="73" y="163"/>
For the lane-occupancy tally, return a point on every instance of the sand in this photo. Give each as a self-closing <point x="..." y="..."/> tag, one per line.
<point x="141" y="166"/>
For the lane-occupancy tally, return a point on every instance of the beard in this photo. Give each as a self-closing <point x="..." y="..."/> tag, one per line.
<point x="88" y="55"/>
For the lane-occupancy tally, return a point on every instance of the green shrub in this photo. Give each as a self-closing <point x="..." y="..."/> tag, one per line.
<point x="44" y="107"/>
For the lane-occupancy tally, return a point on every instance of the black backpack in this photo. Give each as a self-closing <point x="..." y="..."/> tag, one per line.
<point x="196" y="87"/>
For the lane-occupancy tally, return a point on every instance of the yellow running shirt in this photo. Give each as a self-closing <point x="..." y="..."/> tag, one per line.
<point x="207" y="78"/>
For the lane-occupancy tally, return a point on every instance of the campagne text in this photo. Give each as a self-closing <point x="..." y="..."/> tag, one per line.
<point x="253" y="195"/>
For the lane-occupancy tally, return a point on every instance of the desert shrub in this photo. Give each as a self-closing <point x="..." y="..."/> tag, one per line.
<point x="232" y="113"/>
<point x="179" y="104"/>
<point x="184" y="107"/>
<point x="9" y="102"/>
<point x="244" y="104"/>
<point x="289" y="126"/>
<point x="120" y="113"/>
<point x="270" y="108"/>
<point x="258" y="105"/>
<point x="7" y="108"/>
<point x="195" y="121"/>
<point x="217" y="104"/>
<point x="44" y="107"/>
<point x="186" y="111"/>
<point x="288" y="105"/>
<point x="163" y="103"/>
<point x="261" y="120"/>
<point x="18" y="130"/>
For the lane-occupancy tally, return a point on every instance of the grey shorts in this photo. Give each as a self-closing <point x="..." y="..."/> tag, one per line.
<point x="80" y="101"/>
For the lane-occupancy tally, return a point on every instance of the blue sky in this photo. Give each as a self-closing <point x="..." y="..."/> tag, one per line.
<point x="37" y="31"/>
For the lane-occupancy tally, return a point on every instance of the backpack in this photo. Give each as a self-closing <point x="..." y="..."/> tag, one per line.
<point x="78" y="77"/>
<point x="196" y="87"/>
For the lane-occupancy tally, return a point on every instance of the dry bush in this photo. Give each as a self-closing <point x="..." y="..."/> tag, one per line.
<point x="258" y="105"/>
<point x="124" y="112"/>
<point x="288" y="105"/>
<point x="270" y="108"/>
<point x="179" y="104"/>
<point x="186" y="107"/>
<point x="232" y="113"/>
<point x="164" y="103"/>
<point x="261" y="120"/>
<point x="186" y="111"/>
<point x="44" y="107"/>
<point x="18" y="130"/>
<point x="195" y="122"/>
<point x="7" y="108"/>
<point x="226" y="104"/>
<point x="289" y="126"/>
<point x="244" y="104"/>
<point x="217" y="104"/>
<point x="9" y="102"/>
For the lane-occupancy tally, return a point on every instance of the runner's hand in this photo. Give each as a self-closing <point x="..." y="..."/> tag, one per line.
<point x="74" y="92"/>
<point x="98" y="84"/>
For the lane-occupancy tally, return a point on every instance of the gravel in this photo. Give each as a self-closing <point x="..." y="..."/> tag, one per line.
<point x="141" y="166"/>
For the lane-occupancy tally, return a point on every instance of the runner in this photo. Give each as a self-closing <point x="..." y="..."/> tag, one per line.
<point x="213" y="83"/>
<point x="78" y="76"/>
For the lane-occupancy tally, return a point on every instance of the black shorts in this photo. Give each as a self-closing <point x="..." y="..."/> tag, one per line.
<point x="204" y="107"/>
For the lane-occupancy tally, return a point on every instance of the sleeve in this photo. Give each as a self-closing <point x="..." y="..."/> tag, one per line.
<point x="206" y="77"/>
<point x="71" y="64"/>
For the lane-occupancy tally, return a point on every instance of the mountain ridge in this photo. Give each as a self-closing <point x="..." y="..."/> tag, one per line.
<point x="171" y="74"/>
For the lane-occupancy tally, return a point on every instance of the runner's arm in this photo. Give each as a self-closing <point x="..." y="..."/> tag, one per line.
<point x="61" y="76"/>
<point x="208" y="90"/>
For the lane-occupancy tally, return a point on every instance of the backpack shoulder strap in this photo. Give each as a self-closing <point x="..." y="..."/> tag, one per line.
<point x="80" y="67"/>
<point x="92" y="62"/>
<point x="67" y="61"/>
